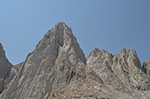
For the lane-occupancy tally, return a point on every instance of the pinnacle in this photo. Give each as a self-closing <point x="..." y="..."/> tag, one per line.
<point x="59" y="29"/>
<point x="61" y="26"/>
<point x="1" y="46"/>
<point x="2" y="52"/>
<point x="61" y="37"/>
<point x="125" y="52"/>
<point x="58" y="63"/>
<point x="60" y="23"/>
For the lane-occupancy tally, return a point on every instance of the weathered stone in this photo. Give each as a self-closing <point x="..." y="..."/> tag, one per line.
<point x="146" y="67"/>
<point x="58" y="69"/>
<point x="1" y="85"/>
<point x="5" y="67"/>
<point x="51" y="66"/>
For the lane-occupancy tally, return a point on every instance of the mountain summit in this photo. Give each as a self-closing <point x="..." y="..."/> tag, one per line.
<point x="57" y="69"/>
<point x="51" y="66"/>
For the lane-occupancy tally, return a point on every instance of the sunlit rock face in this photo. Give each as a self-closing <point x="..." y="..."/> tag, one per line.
<point x="58" y="69"/>
<point x="51" y="66"/>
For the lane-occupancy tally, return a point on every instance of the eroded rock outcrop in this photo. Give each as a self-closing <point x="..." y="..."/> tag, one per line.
<point x="110" y="77"/>
<point x="58" y="69"/>
<point x="146" y="67"/>
<point x="51" y="66"/>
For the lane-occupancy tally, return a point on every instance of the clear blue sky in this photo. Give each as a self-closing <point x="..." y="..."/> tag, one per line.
<point x="104" y="24"/>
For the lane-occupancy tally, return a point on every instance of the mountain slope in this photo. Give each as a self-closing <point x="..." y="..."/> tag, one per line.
<point x="58" y="69"/>
<point x="109" y="77"/>
<point x="51" y="66"/>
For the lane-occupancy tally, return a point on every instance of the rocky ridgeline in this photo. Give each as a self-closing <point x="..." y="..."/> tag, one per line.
<point x="58" y="69"/>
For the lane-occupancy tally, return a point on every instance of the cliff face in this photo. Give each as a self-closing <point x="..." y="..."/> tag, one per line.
<point x="58" y="69"/>
<point x="5" y="67"/>
<point x="109" y="77"/>
<point x="51" y="66"/>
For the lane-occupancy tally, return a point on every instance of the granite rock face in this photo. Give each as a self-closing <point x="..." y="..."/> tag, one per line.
<point x="146" y="67"/>
<point x="58" y="69"/>
<point x="5" y="67"/>
<point x="51" y="66"/>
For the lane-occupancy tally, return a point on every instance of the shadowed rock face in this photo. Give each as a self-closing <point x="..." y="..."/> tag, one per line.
<point x="58" y="69"/>
<point x="5" y="67"/>
<point x="146" y="67"/>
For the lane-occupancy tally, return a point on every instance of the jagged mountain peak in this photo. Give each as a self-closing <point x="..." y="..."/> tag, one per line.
<point x="2" y="52"/>
<point x="97" y="51"/>
<point x="122" y="53"/>
<point x="58" y="69"/>
<point x="125" y="56"/>
<point x="52" y="65"/>
<point x="61" y="37"/>
<point x="59" y="29"/>
<point x="61" y="26"/>
<point x="130" y="57"/>
<point x="127" y="52"/>
<point x="1" y="45"/>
